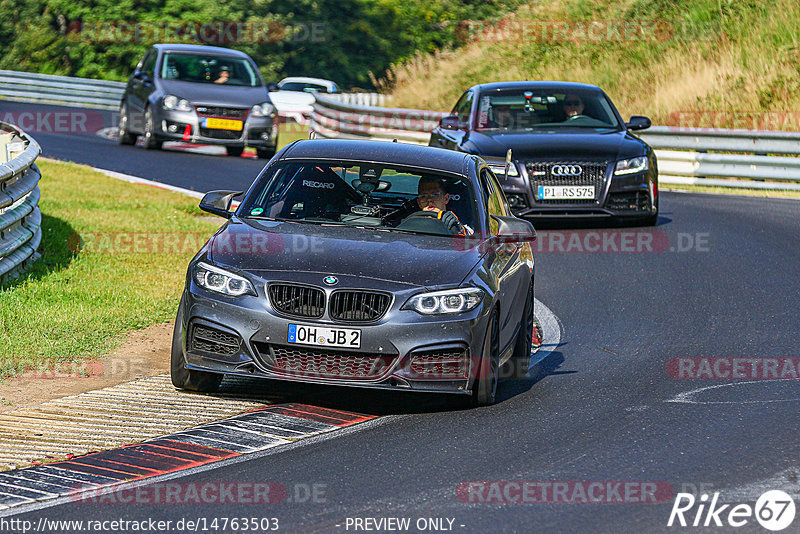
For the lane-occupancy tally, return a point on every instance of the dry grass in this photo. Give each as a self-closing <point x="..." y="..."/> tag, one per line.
<point x="745" y="62"/>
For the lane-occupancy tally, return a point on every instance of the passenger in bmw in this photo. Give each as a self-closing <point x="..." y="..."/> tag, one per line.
<point x="432" y="216"/>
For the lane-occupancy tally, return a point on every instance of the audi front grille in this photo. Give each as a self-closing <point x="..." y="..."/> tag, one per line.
<point x="297" y="300"/>
<point x="358" y="306"/>
<point x="567" y="173"/>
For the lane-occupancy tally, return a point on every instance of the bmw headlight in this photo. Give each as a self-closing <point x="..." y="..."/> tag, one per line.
<point x="264" y="109"/>
<point x="632" y="166"/>
<point x="221" y="281"/>
<point x="444" y="302"/>
<point x="172" y="102"/>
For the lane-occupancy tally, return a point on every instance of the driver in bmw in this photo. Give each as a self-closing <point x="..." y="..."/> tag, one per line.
<point x="433" y="216"/>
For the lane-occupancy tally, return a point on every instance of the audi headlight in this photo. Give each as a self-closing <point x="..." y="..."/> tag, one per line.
<point x="222" y="281"/>
<point x="172" y="102"/>
<point x="264" y="109"/>
<point x="444" y="302"/>
<point x="632" y="166"/>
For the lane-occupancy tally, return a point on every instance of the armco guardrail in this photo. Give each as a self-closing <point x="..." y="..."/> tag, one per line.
<point x="680" y="151"/>
<point x="20" y="219"/>
<point x="361" y="99"/>
<point x="333" y="118"/>
<point x="62" y="90"/>
<point x="86" y="92"/>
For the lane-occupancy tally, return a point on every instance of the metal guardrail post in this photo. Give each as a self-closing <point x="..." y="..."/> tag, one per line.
<point x="20" y="219"/>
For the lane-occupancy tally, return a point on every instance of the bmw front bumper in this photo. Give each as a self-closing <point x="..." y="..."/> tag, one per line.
<point x="406" y="350"/>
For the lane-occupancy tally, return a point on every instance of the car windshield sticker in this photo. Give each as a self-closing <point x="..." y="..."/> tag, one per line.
<point x="256" y="211"/>
<point x="483" y="110"/>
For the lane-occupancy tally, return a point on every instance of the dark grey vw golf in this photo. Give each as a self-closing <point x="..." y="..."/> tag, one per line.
<point x="361" y="263"/>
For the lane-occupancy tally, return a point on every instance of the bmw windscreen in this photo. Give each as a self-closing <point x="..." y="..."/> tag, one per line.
<point x="383" y="197"/>
<point x="528" y="110"/>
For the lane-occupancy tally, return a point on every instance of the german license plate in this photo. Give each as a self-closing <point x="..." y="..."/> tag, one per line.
<point x="223" y="124"/>
<point x="565" y="191"/>
<point x="320" y="336"/>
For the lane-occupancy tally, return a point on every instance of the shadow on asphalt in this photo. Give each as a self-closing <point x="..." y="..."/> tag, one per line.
<point x="516" y="379"/>
<point x="593" y="224"/>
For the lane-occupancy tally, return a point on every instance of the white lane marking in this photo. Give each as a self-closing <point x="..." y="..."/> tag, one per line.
<point x="551" y="332"/>
<point x="688" y="397"/>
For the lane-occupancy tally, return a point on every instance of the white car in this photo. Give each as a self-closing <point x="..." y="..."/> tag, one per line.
<point x="295" y="95"/>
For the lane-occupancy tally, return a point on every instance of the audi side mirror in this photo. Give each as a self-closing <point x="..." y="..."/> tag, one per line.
<point x="219" y="202"/>
<point x="452" y="122"/>
<point x="638" y="122"/>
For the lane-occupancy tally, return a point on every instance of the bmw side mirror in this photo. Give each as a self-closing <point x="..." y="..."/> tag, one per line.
<point x="452" y="122"/>
<point x="638" y="122"/>
<point x="219" y="202"/>
<point x="514" y="229"/>
<point x="272" y="87"/>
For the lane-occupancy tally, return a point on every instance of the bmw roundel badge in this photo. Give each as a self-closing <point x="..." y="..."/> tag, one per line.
<point x="330" y="280"/>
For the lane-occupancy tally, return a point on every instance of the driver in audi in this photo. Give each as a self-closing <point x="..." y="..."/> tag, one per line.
<point x="433" y="216"/>
<point x="573" y="106"/>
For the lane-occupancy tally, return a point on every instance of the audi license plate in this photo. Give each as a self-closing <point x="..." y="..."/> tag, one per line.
<point x="320" y="336"/>
<point x="565" y="191"/>
<point x="222" y="124"/>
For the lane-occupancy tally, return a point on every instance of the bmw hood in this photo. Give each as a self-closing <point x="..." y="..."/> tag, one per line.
<point x="293" y="250"/>
<point x="212" y="94"/>
<point x="556" y="145"/>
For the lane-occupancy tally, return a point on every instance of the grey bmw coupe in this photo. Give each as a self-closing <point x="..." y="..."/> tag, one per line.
<point x="360" y="263"/>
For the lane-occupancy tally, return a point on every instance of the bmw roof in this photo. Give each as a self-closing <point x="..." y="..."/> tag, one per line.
<point x="379" y="151"/>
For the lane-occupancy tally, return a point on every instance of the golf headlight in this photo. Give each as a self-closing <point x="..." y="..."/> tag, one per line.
<point x="499" y="169"/>
<point x="172" y="102"/>
<point x="263" y="110"/>
<point x="632" y="166"/>
<point x="221" y="281"/>
<point x="443" y="302"/>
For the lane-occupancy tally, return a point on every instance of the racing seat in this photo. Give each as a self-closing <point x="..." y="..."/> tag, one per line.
<point x="320" y="191"/>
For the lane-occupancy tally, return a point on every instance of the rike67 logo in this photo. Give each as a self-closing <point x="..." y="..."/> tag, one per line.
<point x="774" y="510"/>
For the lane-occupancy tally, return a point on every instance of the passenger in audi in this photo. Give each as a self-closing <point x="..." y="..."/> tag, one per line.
<point x="433" y="216"/>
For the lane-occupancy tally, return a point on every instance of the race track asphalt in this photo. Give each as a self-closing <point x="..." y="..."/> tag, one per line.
<point x="721" y="280"/>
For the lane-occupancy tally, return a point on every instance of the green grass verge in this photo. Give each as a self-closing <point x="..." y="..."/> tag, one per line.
<point x="78" y="301"/>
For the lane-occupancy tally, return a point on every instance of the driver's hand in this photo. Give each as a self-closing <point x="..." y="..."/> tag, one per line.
<point x="453" y="224"/>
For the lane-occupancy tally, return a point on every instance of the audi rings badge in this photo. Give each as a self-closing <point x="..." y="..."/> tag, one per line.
<point x="566" y="170"/>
